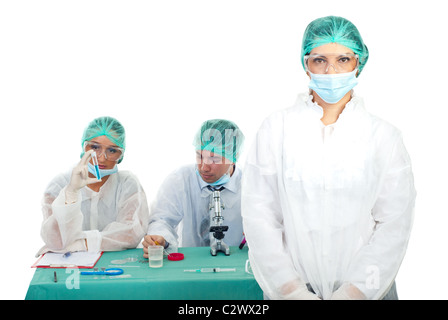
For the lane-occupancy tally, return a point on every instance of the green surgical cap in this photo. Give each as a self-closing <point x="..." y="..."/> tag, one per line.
<point x="221" y="137"/>
<point x="105" y="126"/>
<point x="333" y="29"/>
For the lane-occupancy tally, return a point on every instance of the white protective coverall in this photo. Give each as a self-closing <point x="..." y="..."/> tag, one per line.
<point x="115" y="218"/>
<point x="327" y="205"/>
<point x="181" y="214"/>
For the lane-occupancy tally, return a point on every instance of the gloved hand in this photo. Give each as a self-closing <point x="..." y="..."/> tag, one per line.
<point x="348" y="292"/>
<point x="79" y="179"/>
<point x="297" y="290"/>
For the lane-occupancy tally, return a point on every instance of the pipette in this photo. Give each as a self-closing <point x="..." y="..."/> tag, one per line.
<point x="95" y="164"/>
<point x="211" y="270"/>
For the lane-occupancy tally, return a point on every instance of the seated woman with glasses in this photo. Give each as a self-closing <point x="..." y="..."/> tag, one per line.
<point x="86" y="212"/>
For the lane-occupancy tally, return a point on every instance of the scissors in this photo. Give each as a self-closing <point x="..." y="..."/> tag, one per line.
<point x="107" y="272"/>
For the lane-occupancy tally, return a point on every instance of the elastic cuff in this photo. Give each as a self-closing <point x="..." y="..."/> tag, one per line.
<point x="71" y="196"/>
<point x="63" y="212"/>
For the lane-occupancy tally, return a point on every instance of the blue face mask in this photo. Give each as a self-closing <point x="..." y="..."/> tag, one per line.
<point x="221" y="181"/>
<point x="333" y="87"/>
<point x="103" y="172"/>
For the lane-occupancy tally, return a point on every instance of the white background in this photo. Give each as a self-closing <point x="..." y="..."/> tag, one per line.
<point x="163" y="67"/>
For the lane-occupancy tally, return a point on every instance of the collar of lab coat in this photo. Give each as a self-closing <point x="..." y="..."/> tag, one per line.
<point x="356" y="104"/>
<point x="232" y="185"/>
<point x="354" y="117"/>
<point x="106" y="194"/>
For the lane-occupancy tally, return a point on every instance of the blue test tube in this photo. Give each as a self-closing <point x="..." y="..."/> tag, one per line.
<point x="95" y="164"/>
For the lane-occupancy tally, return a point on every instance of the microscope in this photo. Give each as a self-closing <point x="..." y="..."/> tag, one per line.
<point x="216" y="242"/>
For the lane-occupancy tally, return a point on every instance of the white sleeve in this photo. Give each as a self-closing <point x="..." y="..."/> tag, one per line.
<point x="62" y="225"/>
<point x="128" y="229"/>
<point x="376" y="265"/>
<point x="167" y="211"/>
<point x="262" y="213"/>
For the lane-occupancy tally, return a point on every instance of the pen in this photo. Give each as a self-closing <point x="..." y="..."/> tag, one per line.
<point x="55" y="277"/>
<point x="63" y="266"/>
<point x="164" y="251"/>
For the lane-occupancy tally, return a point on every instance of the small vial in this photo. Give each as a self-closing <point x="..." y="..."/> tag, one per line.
<point x="95" y="165"/>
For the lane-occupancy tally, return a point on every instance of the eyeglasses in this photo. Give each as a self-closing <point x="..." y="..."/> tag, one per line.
<point x="341" y="63"/>
<point x="110" y="153"/>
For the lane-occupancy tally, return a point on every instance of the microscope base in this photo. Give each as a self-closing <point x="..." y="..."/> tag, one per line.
<point x="219" y="246"/>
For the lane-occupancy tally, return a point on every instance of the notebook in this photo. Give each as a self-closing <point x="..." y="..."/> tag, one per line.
<point x="74" y="260"/>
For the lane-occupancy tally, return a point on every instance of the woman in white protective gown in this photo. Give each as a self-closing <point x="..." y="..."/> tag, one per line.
<point x="86" y="209"/>
<point x="328" y="193"/>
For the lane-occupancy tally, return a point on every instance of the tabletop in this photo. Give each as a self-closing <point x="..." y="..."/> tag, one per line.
<point x="140" y="282"/>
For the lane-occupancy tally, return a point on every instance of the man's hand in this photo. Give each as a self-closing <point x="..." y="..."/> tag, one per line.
<point x="152" y="240"/>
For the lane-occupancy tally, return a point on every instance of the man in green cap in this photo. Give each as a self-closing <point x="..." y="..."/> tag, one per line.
<point x="180" y="215"/>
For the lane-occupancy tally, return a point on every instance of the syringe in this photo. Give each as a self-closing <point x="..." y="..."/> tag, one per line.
<point x="211" y="270"/>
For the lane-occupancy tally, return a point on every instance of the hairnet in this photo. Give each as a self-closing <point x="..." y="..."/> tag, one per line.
<point x="105" y="126"/>
<point x="221" y="137"/>
<point x="333" y="29"/>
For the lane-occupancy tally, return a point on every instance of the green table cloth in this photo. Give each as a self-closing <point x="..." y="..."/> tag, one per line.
<point x="141" y="282"/>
